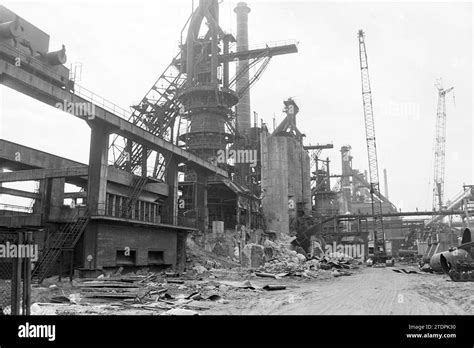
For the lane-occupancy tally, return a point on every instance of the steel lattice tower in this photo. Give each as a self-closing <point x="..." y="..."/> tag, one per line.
<point x="379" y="238"/>
<point x="440" y="148"/>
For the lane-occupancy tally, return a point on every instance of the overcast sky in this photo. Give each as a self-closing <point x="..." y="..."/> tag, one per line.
<point x="125" y="46"/>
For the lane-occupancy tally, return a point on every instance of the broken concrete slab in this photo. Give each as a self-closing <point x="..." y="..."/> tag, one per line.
<point x="253" y="256"/>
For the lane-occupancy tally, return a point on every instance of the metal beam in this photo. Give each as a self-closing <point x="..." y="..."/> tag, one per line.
<point x="399" y="214"/>
<point x="318" y="147"/>
<point x="252" y="54"/>
<point x="29" y="84"/>
<point x="40" y="174"/>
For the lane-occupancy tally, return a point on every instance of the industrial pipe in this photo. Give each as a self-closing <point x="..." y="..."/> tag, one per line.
<point x="407" y="253"/>
<point x="445" y="261"/>
<point x="56" y="57"/>
<point x="10" y="30"/>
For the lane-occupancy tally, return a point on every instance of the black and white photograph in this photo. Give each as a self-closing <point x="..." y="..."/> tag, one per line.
<point x="225" y="159"/>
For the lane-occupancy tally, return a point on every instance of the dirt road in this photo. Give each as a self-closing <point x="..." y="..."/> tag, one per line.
<point x="369" y="291"/>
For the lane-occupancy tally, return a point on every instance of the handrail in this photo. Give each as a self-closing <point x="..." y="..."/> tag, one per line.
<point x="101" y="102"/>
<point x="78" y="90"/>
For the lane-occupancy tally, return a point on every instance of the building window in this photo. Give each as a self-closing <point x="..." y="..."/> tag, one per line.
<point x="126" y="258"/>
<point x="156" y="257"/>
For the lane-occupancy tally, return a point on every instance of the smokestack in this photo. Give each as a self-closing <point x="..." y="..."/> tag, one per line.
<point x="243" y="107"/>
<point x="385" y="183"/>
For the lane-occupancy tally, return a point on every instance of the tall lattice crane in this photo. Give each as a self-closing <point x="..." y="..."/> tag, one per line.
<point x="440" y="147"/>
<point x="379" y="235"/>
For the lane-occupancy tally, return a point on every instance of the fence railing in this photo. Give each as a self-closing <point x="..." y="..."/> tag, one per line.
<point x="157" y="214"/>
<point x="101" y="102"/>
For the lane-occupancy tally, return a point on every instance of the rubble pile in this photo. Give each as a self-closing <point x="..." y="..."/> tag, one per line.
<point x="281" y="260"/>
<point x="198" y="257"/>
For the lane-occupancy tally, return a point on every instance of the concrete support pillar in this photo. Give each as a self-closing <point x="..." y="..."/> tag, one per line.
<point x="181" y="251"/>
<point x="55" y="187"/>
<point x="200" y="201"/>
<point x="97" y="186"/>
<point x="144" y="160"/>
<point x="89" y="255"/>
<point x="172" y="200"/>
<point x="128" y="150"/>
<point x="39" y="206"/>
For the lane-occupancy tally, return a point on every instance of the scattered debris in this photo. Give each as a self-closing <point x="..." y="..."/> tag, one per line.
<point x="215" y="298"/>
<point x="175" y="281"/>
<point x="199" y="269"/>
<point x="60" y="299"/>
<point x="270" y="287"/>
<point x="242" y="285"/>
<point x="180" y="311"/>
<point x="426" y="268"/>
<point x="338" y="273"/>
<point x="269" y="275"/>
<point x="107" y="284"/>
<point x="402" y="270"/>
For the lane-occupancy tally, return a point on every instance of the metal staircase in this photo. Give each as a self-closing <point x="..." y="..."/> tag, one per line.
<point x="136" y="190"/>
<point x="156" y="113"/>
<point x="66" y="238"/>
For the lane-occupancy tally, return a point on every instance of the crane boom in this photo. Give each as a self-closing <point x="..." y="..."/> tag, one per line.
<point x="440" y="148"/>
<point x="379" y="235"/>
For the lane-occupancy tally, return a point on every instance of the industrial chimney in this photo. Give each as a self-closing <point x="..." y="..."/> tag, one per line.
<point x="243" y="107"/>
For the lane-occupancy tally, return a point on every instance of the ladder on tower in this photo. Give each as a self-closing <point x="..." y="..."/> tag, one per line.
<point x="133" y="196"/>
<point x="66" y="238"/>
<point x="156" y="113"/>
